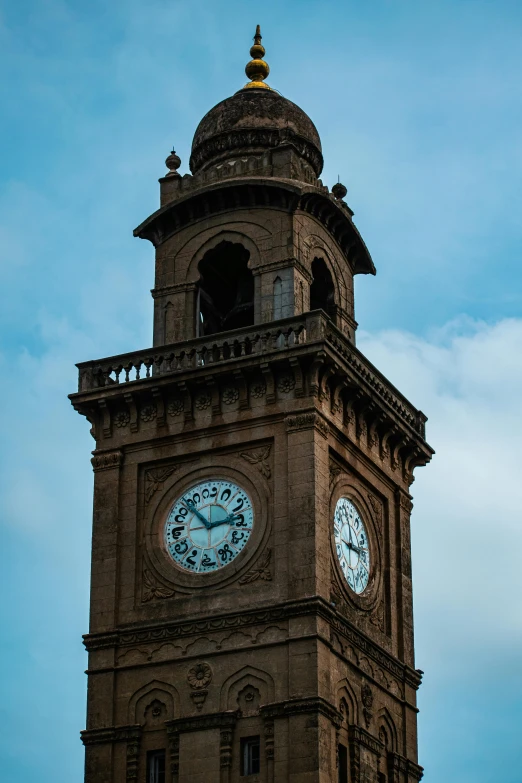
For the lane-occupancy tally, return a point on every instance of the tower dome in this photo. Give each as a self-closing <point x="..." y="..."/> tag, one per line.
<point x="253" y="120"/>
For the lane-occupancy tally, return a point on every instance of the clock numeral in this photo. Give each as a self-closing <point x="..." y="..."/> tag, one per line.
<point x="181" y="547"/>
<point x="226" y="553"/>
<point x="208" y="561"/>
<point x="225" y="495"/>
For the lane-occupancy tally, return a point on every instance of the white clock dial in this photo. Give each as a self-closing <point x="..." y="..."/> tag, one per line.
<point x="208" y="526"/>
<point x="351" y="545"/>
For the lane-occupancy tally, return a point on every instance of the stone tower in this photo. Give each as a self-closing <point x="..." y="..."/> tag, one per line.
<point x="251" y="598"/>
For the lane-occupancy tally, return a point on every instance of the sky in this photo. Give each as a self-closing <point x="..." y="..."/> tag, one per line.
<point x="419" y="109"/>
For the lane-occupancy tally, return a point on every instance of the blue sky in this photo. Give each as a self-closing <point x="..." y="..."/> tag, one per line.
<point x="419" y="109"/>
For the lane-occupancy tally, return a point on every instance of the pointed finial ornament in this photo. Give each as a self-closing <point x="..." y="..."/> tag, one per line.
<point x="257" y="69"/>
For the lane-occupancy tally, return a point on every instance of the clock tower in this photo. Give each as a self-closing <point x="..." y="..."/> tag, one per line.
<point x="251" y="597"/>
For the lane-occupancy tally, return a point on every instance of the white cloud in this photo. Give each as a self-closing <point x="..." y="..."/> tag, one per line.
<point x="466" y="524"/>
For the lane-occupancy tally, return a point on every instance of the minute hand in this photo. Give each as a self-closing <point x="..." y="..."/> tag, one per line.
<point x="192" y="507"/>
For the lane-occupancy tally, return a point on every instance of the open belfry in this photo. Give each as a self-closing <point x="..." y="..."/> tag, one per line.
<point x="251" y="596"/>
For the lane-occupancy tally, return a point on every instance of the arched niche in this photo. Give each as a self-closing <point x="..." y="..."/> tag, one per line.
<point x="387" y="732"/>
<point x="153" y="702"/>
<point x="248" y="677"/>
<point x="322" y="289"/>
<point x="225" y="291"/>
<point x="347" y="703"/>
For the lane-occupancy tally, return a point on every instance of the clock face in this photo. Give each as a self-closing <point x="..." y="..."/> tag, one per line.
<point x="351" y="545"/>
<point x="208" y="526"/>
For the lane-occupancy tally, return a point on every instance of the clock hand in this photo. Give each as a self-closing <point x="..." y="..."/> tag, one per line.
<point x="191" y="507"/>
<point x="355" y="548"/>
<point x="226" y="520"/>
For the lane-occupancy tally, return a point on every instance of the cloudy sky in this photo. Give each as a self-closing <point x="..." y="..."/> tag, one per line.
<point x="419" y="108"/>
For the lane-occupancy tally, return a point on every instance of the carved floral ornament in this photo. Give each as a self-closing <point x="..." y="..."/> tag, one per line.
<point x="259" y="458"/>
<point x="152" y="589"/>
<point x="199" y="676"/>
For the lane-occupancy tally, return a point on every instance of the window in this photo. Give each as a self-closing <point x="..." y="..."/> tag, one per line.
<point x="250" y="755"/>
<point x="381" y="777"/>
<point x="342" y="754"/>
<point x="156" y="766"/>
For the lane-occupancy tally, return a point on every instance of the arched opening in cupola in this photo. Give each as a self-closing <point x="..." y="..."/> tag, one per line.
<point x="322" y="290"/>
<point x="225" y="293"/>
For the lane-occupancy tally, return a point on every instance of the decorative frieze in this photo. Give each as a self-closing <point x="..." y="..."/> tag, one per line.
<point x="305" y="421"/>
<point x="268" y="616"/>
<point x="106" y="460"/>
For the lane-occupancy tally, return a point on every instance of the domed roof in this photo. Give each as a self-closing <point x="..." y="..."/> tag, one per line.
<point x="254" y="119"/>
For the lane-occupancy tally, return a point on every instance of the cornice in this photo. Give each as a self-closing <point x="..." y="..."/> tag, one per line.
<point x="266" y="193"/>
<point x="312" y="704"/>
<point x="216" y="720"/>
<point x="360" y="736"/>
<point x="315" y="363"/>
<point x="309" y="606"/>
<point x="111" y="734"/>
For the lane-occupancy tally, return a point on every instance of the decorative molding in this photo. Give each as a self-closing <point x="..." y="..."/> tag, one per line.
<point x="259" y="457"/>
<point x="335" y="471"/>
<point x="254" y="138"/>
<point x="377" y="617"/>
<point x="305" y="421"/>
<point x="173" y="742"/>
<point x="152" y="590"/>
<point x="133" y="758"/>
<point x="285" y="384"/>
<point x="121" y="419"/>
<point x="216" y="720"/>
<point x="400" y="766"/>
<point x="155" y="478"/>
<point x="406" y="503"/>
<point x="106" y="460"/>
<point x="376" y="505"/>
<point x="258" y="390"/>
<point x="269" y="739"/>
<point x="260" y="571"/>
<point x="175" y="407"/>
<point x="148" y="413"/>
<point x="268" y="615"/>
<point x="110" y="734"/>
<point x="203" y="401"/>
<point x="198" y="698"/>
<point x="359" y="736"/>
<point x="367" y="700"/>
<point x="225" y="747"/>
<point x="230" y="395"/>
<point x="312" y="704"/>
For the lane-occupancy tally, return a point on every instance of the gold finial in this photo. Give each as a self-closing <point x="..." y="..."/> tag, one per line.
<point x="257" y="69"/>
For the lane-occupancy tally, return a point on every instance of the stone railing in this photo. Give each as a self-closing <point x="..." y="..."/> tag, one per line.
<point x="200" y="352"/>
<point x="272" y="338"/>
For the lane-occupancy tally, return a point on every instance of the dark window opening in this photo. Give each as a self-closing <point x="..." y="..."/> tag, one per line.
<point x="250" y="756"/>
<point x="381" y="777"/>
<point x="342" y="754"/>
<point x="322" y="290"/>
<point x="156" y="766"/>
<point x="226" y="290"/>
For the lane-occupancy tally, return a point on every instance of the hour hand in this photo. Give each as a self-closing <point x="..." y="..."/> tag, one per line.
<point x="191" y="507"/>
<point x="226" y="521"/>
